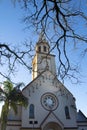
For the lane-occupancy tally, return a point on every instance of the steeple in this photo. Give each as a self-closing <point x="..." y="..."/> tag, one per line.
<point x="42" y="37"/>
<point x="43" y="60"/>
<point x="42" y="46"/>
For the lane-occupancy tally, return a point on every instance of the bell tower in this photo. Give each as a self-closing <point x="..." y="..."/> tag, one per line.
<point x="43" y="60"/>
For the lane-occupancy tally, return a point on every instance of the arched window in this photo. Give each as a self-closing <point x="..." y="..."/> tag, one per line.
<point x="67" y="112"/>
<point x="39" y="48"/>
<point x="44" y="48"/>
<point x="31" y="111"/>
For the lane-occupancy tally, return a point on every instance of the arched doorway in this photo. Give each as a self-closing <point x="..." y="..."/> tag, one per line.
<point x="52" y="126"/>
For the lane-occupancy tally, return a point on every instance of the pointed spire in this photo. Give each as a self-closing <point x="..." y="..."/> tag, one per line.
<point x="42" y="45"/>
<point x="42" y="38"/>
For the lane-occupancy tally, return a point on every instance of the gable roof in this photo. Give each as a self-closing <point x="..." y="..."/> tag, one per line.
<point x="33" y="81"/>
<point x="55" y="78"/>
<point x="81" y="117"/>
<point x="41" y="74"/>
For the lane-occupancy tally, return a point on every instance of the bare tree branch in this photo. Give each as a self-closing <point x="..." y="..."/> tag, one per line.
<point x="58" y="20"/>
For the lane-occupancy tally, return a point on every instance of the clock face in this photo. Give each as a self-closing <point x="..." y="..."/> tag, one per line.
<point x="49" y="101"/>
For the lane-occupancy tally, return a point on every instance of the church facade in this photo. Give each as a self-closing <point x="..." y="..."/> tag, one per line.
<point x="51" y="105"/>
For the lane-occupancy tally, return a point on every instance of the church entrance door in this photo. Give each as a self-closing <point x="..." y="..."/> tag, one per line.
<point x="52" y="126"/>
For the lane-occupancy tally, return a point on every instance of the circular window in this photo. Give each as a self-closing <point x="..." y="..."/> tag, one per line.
<point x="49" y="101"/>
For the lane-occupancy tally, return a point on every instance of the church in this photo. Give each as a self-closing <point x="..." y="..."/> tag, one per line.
<point x="51" y="105"/>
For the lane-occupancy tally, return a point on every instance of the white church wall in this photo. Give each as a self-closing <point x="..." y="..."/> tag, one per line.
<point x="44" y="86"/>
<point x="61" y="113"/>
<point x="13" y="125"/>
<point x="82" y="125"/>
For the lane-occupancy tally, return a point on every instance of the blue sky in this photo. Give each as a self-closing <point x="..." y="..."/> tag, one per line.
<point x="11" y="27"/>
<point x="12" y="32"/>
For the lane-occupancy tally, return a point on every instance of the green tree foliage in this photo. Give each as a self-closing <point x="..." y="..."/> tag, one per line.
<point x="12" y="97"/>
